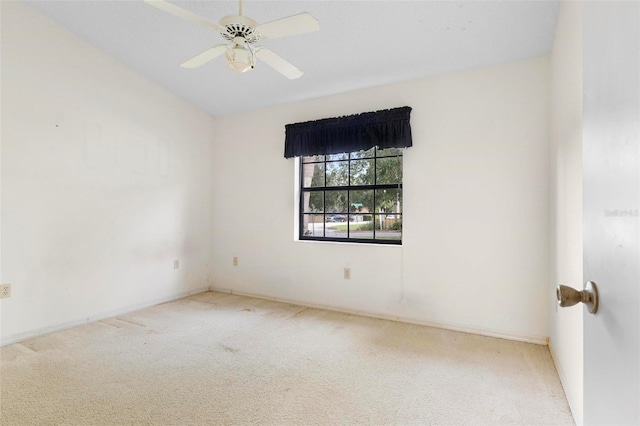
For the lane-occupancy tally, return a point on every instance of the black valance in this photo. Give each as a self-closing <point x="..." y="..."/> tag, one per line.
<point x="387" y="128"/>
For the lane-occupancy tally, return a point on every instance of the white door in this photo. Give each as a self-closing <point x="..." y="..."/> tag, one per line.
<point x="611" y="138"/>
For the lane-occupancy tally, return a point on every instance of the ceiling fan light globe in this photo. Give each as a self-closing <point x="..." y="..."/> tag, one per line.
<point x="239" y="59"/>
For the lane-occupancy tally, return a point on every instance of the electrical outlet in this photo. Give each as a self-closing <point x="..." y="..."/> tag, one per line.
<point x="176" y="264"/>
<point x="235" y="260"/>
<point x="347" y="273"/>
<point x="5" y="291"/>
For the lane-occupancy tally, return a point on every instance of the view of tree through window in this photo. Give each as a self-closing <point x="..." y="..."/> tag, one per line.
<point x="354" y="197"/>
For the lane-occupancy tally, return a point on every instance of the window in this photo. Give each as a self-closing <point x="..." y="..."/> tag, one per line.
<point x="351" y="175"/>
<point x="352" y="197"/>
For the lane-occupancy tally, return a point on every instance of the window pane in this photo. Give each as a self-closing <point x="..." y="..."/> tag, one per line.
<point x="388" y="201"/>
<point x="336" y="202"/>
<point x="362" y="172"/>
<point x="389" y="152"/>
<point x="338" y="173"/>
<point x="363" y="154"/>
<point x="313" y="175"/>
<point x="388" y="226"/>
<point x="358" y="228"/>
<point x="312" y="158"/>
<point x="334" y="157"/>
<point x="337" y="229"/>
<point x="389" y="170"/>
<point x="361" y="202"/>
<point x="313" y="202"/>
<point x="313" y="225"/>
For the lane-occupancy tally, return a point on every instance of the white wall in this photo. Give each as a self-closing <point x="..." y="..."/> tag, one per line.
<point x="475" y="249"/>
<point x="105" y="181"/>
<point x="565" y="324"/>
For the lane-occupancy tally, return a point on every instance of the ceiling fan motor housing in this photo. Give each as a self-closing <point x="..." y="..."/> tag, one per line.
<point x="239" y="26"/>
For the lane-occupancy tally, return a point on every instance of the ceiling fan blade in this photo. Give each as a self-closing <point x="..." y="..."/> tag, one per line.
<point x="204" y="57"/>
<point x="277" y="63"/>
<point x="184" y="14"/>
<point x="296" y="24"/>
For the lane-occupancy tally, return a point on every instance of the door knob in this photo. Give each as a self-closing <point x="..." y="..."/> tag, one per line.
<point x="568" y="296"/>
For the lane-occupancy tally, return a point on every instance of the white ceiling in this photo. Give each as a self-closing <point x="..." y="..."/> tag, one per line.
<point x="360" y="43"/>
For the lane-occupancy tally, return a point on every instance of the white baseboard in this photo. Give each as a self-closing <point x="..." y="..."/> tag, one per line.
<point x="131" y="308"/>
<point x="520" y="337"/>
<point x="571" y="399"/>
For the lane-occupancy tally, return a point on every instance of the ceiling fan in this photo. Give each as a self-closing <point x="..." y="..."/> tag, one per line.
<point x="243" y="33"/>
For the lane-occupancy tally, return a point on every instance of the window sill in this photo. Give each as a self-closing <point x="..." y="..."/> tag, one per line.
<point x="343" y="243"/>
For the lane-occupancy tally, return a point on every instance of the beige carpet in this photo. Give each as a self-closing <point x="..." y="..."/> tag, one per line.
<point x="218" y="359"/>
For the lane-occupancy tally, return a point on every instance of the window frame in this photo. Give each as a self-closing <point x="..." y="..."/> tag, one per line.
<point x="348" y="188"/>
